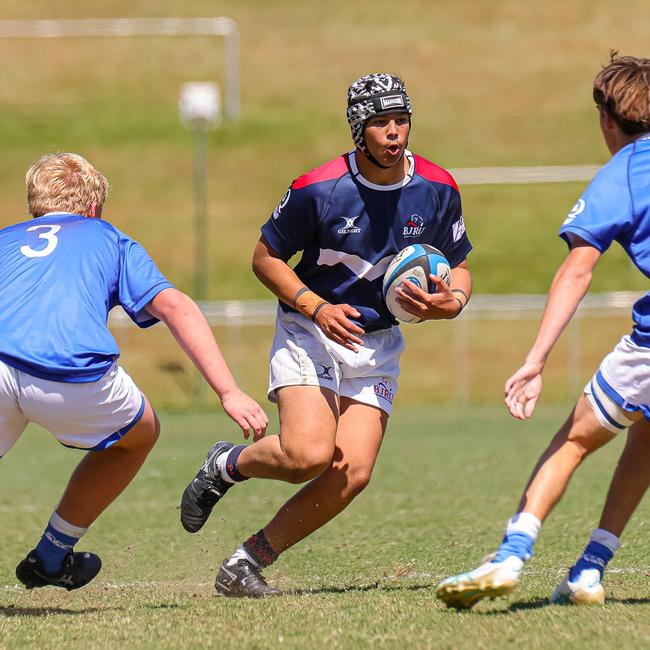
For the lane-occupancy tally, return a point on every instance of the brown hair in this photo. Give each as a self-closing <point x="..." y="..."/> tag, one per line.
<point x="64" y="182"/>
<point x="622" y="88"/>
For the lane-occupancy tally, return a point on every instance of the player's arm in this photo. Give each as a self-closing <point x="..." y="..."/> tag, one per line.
<point x="447" y="301"/>
<point x="569" y="287"/>
<point x="281" y="279"/>
<point x="192" y="331"/>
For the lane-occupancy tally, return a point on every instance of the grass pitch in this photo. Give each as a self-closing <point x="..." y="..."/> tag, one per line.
<point x="443" y="487"/>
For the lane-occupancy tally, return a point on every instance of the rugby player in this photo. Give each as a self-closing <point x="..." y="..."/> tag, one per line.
<point x="335" y="355"/>
<point x="614" y="208"/>
<point x="60" y="274"/>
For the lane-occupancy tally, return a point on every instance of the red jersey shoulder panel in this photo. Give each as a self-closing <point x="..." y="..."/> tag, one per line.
<point x="326" y="172"/>
<point x="433" y="172"/>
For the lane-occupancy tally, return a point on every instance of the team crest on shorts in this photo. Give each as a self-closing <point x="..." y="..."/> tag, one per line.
<point x="384" y="388"/>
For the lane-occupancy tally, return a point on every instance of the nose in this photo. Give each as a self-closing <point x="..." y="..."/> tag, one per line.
<point x="391" y="129"/>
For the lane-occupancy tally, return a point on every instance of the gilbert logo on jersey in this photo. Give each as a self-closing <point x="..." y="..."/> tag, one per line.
<point x="350" y="226"/>
<point x="414" y="226"/>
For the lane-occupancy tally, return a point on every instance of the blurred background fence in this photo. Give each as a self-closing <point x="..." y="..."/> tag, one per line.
<point x="447" y="362"/>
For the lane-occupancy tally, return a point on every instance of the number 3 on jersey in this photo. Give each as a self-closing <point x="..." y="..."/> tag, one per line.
<point x="49" y="236"/>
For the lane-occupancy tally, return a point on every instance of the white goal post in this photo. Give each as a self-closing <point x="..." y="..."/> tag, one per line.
<point x="116" y="27"/>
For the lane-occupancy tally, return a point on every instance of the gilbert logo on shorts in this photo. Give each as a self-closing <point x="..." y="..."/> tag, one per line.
<point x="414" y="226"/>
<point x="350" y="226"/>
<point x="384" y="388"/>
<point x="324" y="372"/>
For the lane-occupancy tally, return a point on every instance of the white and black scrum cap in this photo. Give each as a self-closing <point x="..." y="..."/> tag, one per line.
<point x="372" y="95"/>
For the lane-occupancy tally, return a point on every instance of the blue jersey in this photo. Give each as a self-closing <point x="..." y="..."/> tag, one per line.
<point x="349" y="229"/>
<point x="616" y="207"/>
<point x="60" y="275"/>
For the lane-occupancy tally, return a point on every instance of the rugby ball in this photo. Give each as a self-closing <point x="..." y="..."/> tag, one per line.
<point x="413" y="263"/>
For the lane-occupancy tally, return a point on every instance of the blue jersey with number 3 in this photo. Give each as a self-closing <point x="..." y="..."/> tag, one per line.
<point x="616" y="207"/>
<point x="60" y="275"/>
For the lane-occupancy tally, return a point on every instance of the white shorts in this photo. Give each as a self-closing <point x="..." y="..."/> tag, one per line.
<point x="89" y="416"/>
<point x="303" y="356"/>
<point x="621" y="385"/>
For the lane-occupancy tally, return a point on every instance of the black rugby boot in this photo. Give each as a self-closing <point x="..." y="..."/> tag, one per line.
<point x="77" y="570"/>
<point x="205" y="490"/>
<point x="242" y="580"/>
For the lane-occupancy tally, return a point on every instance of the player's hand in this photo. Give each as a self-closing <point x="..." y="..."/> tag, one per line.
<point x="246" y="412"/>
<point x="334" y="321"/>
<point x="523" y="389"/>
<point x="442" y="304"/>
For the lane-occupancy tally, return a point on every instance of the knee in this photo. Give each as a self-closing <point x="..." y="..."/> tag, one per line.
<point x="306" y="465"/>
<point x="355" y="481"/>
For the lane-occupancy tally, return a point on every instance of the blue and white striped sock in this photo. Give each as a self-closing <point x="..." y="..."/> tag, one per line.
<point x="58" y="540"/>
<point x="521" y="534"/>
<point x="600" y="550"/>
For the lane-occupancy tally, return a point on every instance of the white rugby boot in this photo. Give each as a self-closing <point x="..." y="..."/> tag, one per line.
<point x="490" y="580"/>
<point x="586" y="590"/>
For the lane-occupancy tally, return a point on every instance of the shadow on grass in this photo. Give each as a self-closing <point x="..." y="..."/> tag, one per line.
<point x="35" y="612"/>
<point x="375" y="586"/>
<point x="543" y="602"/>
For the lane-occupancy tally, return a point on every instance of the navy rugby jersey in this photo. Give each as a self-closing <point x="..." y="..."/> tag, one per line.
<point x="616" y="207"/>
<point x="60" y="275"/>
<point x="349" y="229"/>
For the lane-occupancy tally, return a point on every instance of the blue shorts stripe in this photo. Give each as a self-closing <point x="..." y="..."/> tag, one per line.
<point x="114" y="437"/>
<point x="602" y="382"/>
<point x="602" y="409"/>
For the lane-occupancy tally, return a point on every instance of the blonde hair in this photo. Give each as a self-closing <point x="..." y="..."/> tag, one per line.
<point x="622" y="88"/>
<point x="64" y="182"/>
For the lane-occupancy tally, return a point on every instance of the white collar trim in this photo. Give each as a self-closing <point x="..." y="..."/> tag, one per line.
<point x="382" y="188"/>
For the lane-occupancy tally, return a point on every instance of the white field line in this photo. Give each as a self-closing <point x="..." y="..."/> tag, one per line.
<point x="244" y="313"/>
<point x="523" y="175"/>
<point x="146" y="585"/>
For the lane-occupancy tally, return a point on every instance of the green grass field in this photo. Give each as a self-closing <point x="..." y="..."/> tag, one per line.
<point x="365" y="580"/>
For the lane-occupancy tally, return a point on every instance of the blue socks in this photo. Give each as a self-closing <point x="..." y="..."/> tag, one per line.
<point x="520" y="537"/>
<point x="58" y="540"/>
<point x="597" y="554"/>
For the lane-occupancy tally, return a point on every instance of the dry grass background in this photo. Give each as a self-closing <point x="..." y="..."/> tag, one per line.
<point x="500" y="83"/>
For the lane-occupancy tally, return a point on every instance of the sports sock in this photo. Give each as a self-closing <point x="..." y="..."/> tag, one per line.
<point x="242" y="554"/>
<point x="58" y="540"/>
<point x="228" y="467"/>
<point x="259" y="549"/>
<point x="600" y="550"/>
<point x="520" y="537"/>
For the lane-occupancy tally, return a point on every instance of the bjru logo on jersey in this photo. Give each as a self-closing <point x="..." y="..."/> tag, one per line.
<point x="414" y="226"/>
<point x="384" y="388"/>
<point x="350" y="226"/>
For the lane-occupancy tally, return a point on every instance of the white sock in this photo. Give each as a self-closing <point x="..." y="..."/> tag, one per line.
<point x="221" y="467"/>
<point x="59" y="523"/>
<point x="241" y="554"/>
<point x="605" y="538"/>
<point x="524" y="522"/>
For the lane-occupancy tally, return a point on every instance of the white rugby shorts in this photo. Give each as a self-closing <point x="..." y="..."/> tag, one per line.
<point x="621" y="385"/>
<point x="90" y="416"/>
<point x="302" y="355"/>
